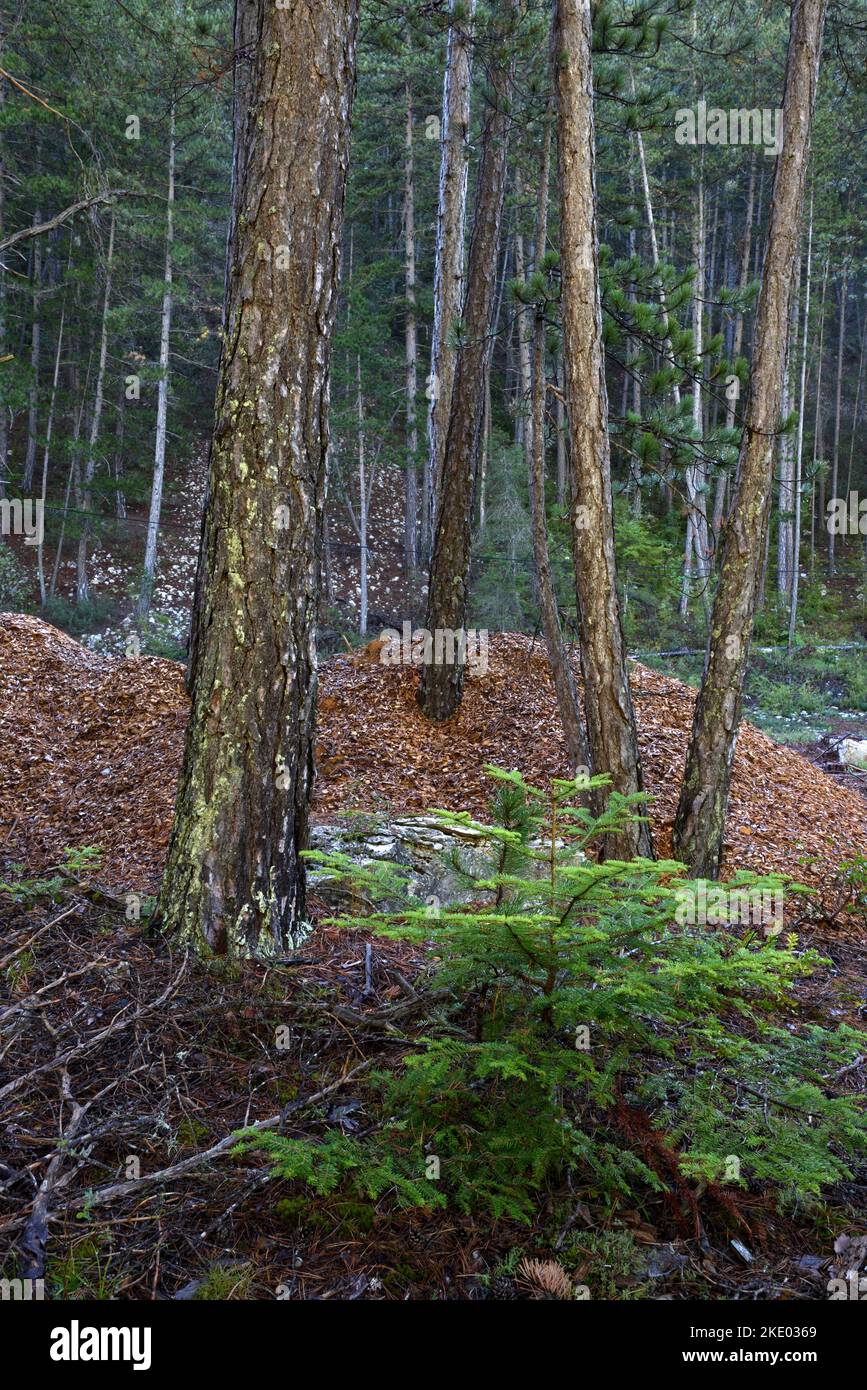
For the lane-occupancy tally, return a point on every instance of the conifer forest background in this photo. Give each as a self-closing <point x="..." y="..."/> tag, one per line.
<point x="433" y="573"/>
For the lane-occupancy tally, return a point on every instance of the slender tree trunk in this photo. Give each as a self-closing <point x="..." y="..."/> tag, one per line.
<point x="234" y="881"/>
<point x="818" y="441"/>
<point x="82" y="587"/>
<point x="448" y="291"/>
<point x="736" y="348"/>
<point x="856" y="412"/>
<point x="743" y="281"/>
<point x="799" y="447"/>
<point x="757" y="239"/>
<point x="150" y="557"/>
<point x="562" y="465"/>
<point x="40" y="550"/>
<point x="654" y="249"/>
<point x="78" y="418"/>
<point x="119" y="496"/>
<point x="786" y="517"/>
<point x="35" y="354"/>
<point x="441" y="685"/>
<point x="700" y="820"/>
<point x="362" y="504"/>
<point x="410" y="530"/>
<point x="607" y="700"/>
<point x="534" y="448"/>
<point x="485" y="455"/>
<point x="697" y="523"/>
<point x="631" y="375"/>
<point x="327" y="562"/>
<point x="835" y="457"/>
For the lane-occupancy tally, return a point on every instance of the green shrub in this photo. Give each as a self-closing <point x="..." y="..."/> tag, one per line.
<point x="578" y="1027"/>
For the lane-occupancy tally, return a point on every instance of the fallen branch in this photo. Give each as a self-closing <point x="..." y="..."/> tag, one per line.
<point x="164" y="1175"/>
<point x="33" y="1241"/>
<point x="83" y="1048"/>
<point x="29" y="942"/>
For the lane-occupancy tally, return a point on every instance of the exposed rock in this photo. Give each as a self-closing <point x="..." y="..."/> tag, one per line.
<point x="438" y="857"/>
<point x="442" y="860"/>
<point x="853" y="752"/>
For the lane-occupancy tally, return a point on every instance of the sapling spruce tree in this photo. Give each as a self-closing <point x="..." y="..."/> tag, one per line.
<point x="580" y="1023"/>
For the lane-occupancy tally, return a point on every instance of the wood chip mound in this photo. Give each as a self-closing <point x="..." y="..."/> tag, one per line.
<point x="93" y="745"/>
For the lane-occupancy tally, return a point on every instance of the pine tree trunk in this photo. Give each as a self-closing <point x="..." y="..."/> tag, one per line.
<point x="697" y="524"/>
<point x="607" y="700"/>
<point x="818" y="442"/>
<point x="120" y="496"/>
<point x="562" y="464"/>
<point x="49" y="425"/>
<point x="743" y="281"/>
<point x="35" y="353"/>
<point x="799" y="447"/>
<point x="82" y="587"/>
<point x="441" y="685"/>
<point x="410" y="529"/>
<point x="234" y="880"/>
<point x="838" y="404"/>
<point x="534" y="447"/>
<point x="523" y="411"/>
<point x="362" y="505"/>
<point x="448" y="291"/>
<point x="785" y="539"/>
<point x="150" y="557"/>
<point x="700" y="820"/>
<point x="856" y="411"/>
<point x="72" y="475"/>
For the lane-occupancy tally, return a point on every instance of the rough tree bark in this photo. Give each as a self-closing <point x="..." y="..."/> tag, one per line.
<point x="410" y="530"/>
<point x="534" y="445"/>
<point x="786" y="501"/>
<point x="700" y="821"/>
<point x="448" y="291"/>
<point x="607" y="699"/>
<point x="441" y="685"/>
<point x="234" y="881"/>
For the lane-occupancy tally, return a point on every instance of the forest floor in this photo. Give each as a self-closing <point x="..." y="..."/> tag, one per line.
<point x="94" y="743"/>
<point x="145" y="1062"/>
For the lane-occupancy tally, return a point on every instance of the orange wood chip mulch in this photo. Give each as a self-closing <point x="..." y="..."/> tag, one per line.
<point x="92" y="748"/>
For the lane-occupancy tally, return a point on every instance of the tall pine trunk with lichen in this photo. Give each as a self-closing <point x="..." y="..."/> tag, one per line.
<point x="699" y="824"/>
<point x="234" y="881"/>
<point x="613" y="743"/>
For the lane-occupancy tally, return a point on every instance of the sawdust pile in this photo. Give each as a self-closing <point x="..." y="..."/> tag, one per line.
<point x="92" y="748"/>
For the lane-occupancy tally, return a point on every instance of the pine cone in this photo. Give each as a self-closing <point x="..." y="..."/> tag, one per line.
<point x="503" y="1287"/>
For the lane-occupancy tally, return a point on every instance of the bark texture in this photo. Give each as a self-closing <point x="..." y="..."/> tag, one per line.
<point x="534" y="448"/>
<point x="234" y="881"/>
<point x="410" y="530"/>
<point x="441" y="685"/>
<point x="449" y="258"/>
<point x="607" y="699"/>
<point x="700" y="821"/>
